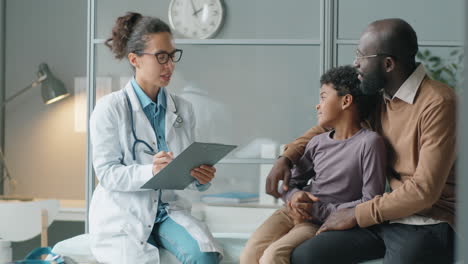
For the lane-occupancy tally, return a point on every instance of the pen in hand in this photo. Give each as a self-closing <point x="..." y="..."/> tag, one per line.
<point x="160" y="159"/>
<point x="152" y="153"/>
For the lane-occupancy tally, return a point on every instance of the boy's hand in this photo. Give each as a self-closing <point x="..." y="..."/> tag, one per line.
<point x="295" y="215"/>
<point x="301" y="202"/>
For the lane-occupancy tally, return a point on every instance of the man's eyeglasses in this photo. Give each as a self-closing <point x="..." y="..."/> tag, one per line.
<point x="360" y="56"/>
<point x="163" y="57"/>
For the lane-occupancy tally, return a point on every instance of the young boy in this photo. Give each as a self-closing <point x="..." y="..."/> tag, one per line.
<point x="339" y="169"/>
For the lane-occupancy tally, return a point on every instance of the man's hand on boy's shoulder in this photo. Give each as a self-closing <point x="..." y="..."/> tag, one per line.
<point x="342" y="219"/>
<point x="280" y="171"/>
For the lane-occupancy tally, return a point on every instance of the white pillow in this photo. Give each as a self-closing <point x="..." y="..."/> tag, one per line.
<point x="76" y="248"/>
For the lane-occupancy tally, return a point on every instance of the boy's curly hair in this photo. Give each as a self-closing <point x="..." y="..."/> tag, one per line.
<point x="344" y="80"/>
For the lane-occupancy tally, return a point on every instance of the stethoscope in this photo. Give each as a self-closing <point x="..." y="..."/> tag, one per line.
<point x="178" y="123"/>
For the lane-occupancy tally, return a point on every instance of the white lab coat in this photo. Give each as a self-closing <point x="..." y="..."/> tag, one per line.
<point x="122" y="215"/>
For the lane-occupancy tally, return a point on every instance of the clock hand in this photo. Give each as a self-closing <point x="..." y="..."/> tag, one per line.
<point x="198" y="11"/>
<point x="193" y="6"/>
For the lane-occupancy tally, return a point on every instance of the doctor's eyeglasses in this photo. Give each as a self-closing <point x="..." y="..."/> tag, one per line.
<point x="163" y="57"/>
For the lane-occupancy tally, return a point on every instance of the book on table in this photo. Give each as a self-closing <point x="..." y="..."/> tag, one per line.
<point x="230" y="197"/>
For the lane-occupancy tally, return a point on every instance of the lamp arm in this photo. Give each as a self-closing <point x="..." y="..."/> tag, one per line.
<point x="33" y="84"/>
<point x="2" y="157"/>
<point x="3" y="163"/>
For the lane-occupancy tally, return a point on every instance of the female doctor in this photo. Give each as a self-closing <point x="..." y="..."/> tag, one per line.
<point x="128" y="224"/>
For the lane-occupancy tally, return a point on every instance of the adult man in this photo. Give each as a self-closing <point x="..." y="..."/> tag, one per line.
<point x="413" y="223"/>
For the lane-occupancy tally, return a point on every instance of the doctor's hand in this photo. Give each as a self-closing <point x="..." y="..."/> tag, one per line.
<point x="280" y="171"/>
<point x="204" y="174"/>
<point x="160" y="160"/>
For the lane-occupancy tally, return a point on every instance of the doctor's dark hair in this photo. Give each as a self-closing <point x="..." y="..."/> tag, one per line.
<point x="344" y="80"/>
<point x="131" y="31"/>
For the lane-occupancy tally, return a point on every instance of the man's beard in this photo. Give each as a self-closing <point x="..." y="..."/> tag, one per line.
<point x="373" y="82"/>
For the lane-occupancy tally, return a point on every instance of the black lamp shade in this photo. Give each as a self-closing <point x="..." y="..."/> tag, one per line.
<point x="53" y="89"/>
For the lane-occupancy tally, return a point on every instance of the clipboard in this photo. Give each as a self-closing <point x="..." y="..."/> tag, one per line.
<point x="176" y="175"/>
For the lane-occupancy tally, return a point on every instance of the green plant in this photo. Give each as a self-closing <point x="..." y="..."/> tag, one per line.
<point x="447" y="70"/>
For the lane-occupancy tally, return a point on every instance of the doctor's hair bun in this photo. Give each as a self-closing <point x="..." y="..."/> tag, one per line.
<point x="130" y="31"/>
<point x="121" y="33"/>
